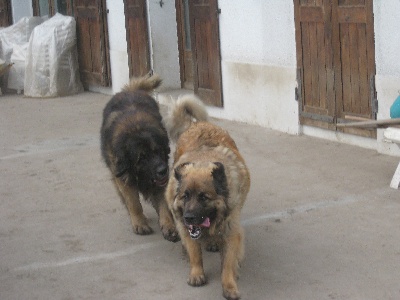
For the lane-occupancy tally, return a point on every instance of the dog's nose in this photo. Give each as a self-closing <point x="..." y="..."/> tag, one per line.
<point x="162" y="171"/>
<point x="192" y="219"/>
<point x="189" y="218"/>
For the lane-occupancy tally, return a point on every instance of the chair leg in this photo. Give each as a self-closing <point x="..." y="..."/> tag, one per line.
<point x="395" y="183"/>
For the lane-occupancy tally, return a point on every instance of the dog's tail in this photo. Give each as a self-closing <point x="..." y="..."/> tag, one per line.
<point x="186" y="110"/>
<point x="145" y="83"/>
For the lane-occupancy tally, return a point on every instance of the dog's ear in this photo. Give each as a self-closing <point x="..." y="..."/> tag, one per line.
<point x="178" y="170"/>
<point x="219" y="179"/>
<point x="120" y="168"/>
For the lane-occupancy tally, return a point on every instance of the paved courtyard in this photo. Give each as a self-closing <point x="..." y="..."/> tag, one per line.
<point x="321" y="221"/>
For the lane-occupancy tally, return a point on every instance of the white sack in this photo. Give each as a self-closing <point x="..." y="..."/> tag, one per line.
<point x="52" y="60"/>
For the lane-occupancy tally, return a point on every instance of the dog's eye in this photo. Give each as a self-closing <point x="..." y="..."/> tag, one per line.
<point x="185" y="196"/>
<point x="203" y="197"/>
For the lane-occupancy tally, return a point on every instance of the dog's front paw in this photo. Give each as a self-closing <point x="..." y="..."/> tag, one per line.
<point x="197" y="280"/>
<point x="170" y="233"/>
<point x="142" y="229"/>
<point x="231" y="294"/>
<point x="230" y="291"/>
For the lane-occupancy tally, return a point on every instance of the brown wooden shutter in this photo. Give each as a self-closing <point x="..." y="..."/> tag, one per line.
<point x="336" y="62"/>
<point x="356" y="62"/>
<point x="137" y="37"/>
<point x="91" y="29"/>
<point x="315" y="62"/>
<point x="205" y="49"/>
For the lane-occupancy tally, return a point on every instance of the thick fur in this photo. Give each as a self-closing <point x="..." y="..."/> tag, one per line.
<point x="206" y="192"/>
<point x="135" y="147"/>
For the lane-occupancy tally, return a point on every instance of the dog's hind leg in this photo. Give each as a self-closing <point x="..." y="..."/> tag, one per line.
<point x="130" y="197"/>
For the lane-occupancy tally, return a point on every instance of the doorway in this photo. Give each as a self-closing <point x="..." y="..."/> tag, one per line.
<point x="199" y="48"/>
<point x="137" y="37"/>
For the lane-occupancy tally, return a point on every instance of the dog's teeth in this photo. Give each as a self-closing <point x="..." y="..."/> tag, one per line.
<point x="194" y="232"/>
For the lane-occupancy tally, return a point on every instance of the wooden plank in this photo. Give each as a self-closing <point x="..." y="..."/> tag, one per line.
<point x="311" y="14"/>
<point x="354" y="72"/>
<point x="372" y="123"/>
<point x="306" y="54"/>
<point x="351" y="15"/>
<point x="345" y="64"/>
<point x="314" y="64"/>
<point x="322" y="69"/>
<point x="364" y="99"/>
<point x="329" y="51"/>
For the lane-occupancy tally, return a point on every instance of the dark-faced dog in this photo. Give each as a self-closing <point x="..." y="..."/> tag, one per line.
<point x="206" y="192"/>
<point x="135" y="147"/>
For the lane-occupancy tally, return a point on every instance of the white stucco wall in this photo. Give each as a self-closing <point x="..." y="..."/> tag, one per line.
<point x="387" y="53"/>
<point x="258" y="54"/>
<point x="117" y="44"/>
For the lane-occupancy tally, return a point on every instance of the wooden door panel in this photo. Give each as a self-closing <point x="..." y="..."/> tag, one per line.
<point x="205" y="50"/>
<point x="92" y="43"/>
<point x="315" y="60"/>
<point x="357" y="68"/>
<point x="5" y="13"/>
<point x="137" y="37"/>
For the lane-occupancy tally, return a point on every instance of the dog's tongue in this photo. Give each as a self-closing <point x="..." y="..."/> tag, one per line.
<point x="206" y="223"/>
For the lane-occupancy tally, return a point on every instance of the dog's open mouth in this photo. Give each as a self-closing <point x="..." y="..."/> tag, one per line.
<point x="195" y="230"/>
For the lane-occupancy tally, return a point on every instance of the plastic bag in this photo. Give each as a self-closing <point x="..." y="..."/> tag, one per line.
<point x="51" y="67"/>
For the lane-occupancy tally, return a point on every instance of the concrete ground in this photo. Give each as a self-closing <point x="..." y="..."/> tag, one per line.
<point x="321" y="221"/>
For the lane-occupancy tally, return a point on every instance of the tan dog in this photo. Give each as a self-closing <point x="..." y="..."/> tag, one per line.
<point x="206" y="191"/>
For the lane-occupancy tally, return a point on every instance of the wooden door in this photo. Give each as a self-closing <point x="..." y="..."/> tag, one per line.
<point x="92" y="41"/>
<point x="335" y="59"/>
<point x="204" y="35"/>
<point x="5" y="13"/>
<point x="137" y="37"/>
